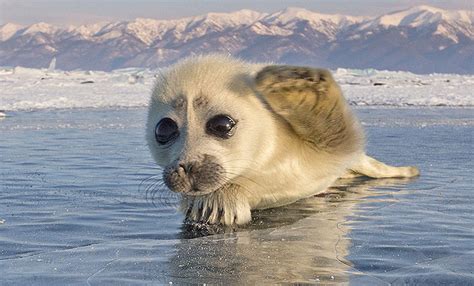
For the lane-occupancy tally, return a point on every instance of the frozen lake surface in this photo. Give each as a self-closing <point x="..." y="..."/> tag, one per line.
<point x="73" y="210"/>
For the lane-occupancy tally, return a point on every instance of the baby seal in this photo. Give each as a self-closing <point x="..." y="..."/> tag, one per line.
<point x="233" y="136"/>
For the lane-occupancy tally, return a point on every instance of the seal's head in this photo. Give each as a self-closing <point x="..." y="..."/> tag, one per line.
<point x="206" y="125"/>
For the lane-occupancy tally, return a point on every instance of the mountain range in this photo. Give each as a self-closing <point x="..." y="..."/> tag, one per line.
<point x="421" y="39"/>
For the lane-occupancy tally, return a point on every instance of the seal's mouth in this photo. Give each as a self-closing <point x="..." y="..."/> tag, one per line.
<point x="195" y="191"/>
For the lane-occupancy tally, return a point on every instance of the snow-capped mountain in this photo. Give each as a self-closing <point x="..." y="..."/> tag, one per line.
<point x="421" y="39"/>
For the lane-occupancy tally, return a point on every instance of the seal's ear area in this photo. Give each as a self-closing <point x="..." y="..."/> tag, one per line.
<point x="312" y="103"/>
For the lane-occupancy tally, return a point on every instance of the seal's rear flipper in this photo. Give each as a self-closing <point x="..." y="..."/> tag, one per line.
<point x="368" y="166"/>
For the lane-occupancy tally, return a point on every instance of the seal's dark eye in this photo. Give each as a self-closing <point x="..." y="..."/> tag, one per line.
<point x="221" y="126"/>
<point x="166" y="130"/>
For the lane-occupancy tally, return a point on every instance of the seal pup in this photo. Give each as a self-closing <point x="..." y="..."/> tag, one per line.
<point x="233" y="136"/>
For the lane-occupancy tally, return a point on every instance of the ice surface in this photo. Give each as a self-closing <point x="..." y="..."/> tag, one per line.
<point x="74" y="212"/>
<point x="33" y="89"/>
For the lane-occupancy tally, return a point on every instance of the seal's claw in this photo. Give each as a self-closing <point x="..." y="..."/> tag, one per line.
<point x="225" y="206"/>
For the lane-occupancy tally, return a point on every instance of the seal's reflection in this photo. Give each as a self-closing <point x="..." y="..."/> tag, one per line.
<point x="304" y="242"/>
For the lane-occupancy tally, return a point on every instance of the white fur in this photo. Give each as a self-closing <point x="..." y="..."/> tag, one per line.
<point x="268" y="164"/>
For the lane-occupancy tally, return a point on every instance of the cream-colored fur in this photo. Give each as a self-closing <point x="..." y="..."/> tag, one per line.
<point x="295" y="134"/>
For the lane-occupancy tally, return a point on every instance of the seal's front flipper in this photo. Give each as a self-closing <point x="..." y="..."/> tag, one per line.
<point x="311" y="102"/>
<point x="370" y="167"/>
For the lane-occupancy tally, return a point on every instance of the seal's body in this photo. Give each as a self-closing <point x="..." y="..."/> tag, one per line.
<point x="233" y="136"/>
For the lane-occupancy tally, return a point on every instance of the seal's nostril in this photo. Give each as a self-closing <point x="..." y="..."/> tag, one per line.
<point x="186" y="168"/>
<point x="181" y="169"/>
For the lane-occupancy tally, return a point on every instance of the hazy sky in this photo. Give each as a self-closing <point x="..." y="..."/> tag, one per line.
<point x="89" y="11"/>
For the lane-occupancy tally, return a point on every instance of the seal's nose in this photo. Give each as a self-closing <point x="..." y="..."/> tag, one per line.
<point x="178" y="177"/>
<point x="182" y="169"/>
<point x="185" y="168"/>
<point x="193" y="176"/>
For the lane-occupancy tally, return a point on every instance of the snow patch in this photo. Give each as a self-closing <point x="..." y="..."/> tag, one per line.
<point x="291" y="15"/>
<point x="372" y="87"/>
<point x="8" y="30"/>
<point x="33" y="89"/>
<point x="40" y="28"/>
<point x="419" y="16"/>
